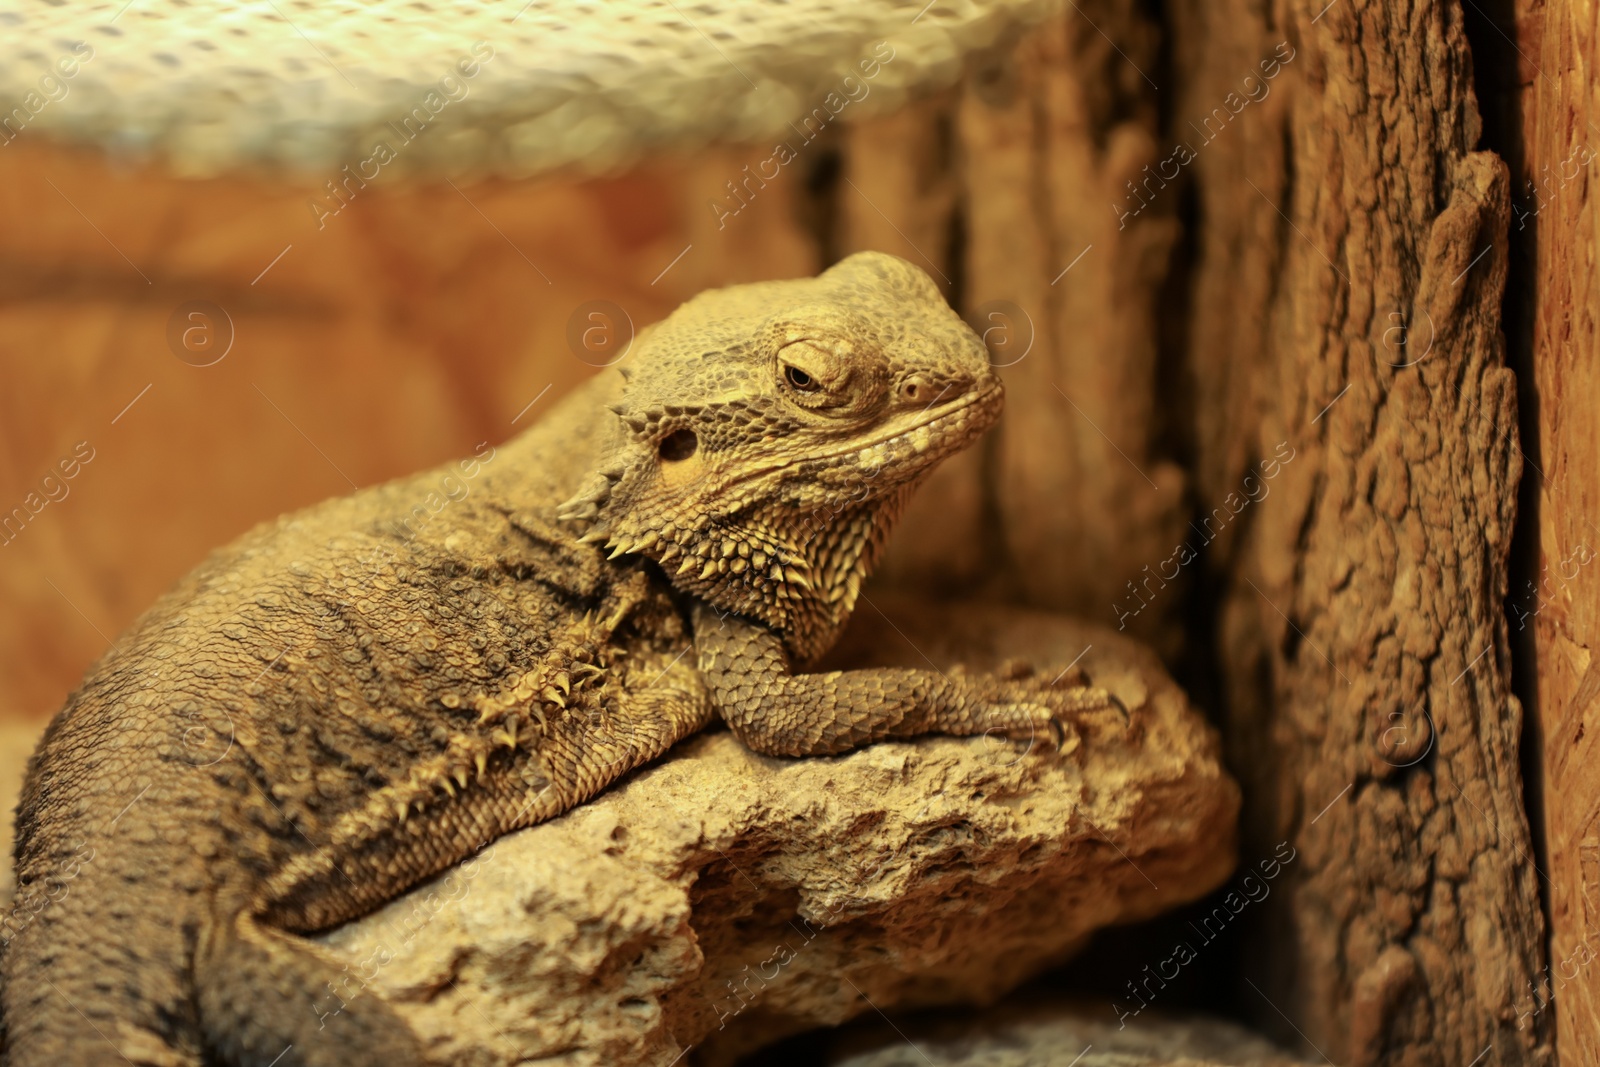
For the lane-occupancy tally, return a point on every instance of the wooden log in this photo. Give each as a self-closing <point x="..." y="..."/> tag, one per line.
<point x="1006" y="192"/>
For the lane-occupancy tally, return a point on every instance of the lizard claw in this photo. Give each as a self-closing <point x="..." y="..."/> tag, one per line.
<point x="1033" y="722"/>
<point x="1026" y="708"/>
<point x="1059" y="731"/>
<point x="1087" y="705"/>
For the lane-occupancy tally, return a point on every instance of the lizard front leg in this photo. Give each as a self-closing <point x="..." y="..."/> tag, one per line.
<point x="779" y="713"/>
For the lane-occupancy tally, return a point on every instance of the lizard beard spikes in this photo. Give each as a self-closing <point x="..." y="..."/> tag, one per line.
<point x="747" y="565"/>
<point x="799" y="570"/>
<point x="585" y="505"/>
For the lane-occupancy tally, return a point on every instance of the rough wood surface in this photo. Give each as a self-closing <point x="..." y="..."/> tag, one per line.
<point x="1550" y="53"/>
<point x="1338" y="349"/>
<point x="1051" y="138"/>
<point x="1004" y="189"/>
<point x="1361" y="635"/>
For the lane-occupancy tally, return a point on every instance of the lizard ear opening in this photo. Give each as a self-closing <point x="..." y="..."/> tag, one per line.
<point x="678" y="445"/>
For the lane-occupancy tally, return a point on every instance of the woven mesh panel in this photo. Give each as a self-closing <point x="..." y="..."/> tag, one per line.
<point x="468" y="87"/>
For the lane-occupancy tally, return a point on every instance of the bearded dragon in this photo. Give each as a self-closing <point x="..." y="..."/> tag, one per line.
<point x="360" y="695"/>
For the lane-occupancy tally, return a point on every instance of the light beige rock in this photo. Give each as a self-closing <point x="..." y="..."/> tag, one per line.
<point x="721" y="900"/>
<point x="1060" y="1034"/>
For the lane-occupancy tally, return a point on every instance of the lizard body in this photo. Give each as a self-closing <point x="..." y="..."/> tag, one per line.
<point x="360" y="695"/>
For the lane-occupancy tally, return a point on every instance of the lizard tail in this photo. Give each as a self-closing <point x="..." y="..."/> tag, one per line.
<point x="271" y="998"/>
<point x="73" y="996"/>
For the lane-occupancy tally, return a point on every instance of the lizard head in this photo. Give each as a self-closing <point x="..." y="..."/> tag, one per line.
<point x="768" y="436"/>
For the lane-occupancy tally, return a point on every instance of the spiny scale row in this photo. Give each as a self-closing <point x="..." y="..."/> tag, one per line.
<point x="560" y="678"/>
<point x="712" y="555"/>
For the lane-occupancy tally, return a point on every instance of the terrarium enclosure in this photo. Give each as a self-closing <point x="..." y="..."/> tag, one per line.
<point x="1294" y="307"/>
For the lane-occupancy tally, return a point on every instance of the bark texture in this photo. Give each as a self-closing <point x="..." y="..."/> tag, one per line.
<point x="1009" y="197"/>
<point x="1350" y="258"/>
<point x="1331" y="340"/>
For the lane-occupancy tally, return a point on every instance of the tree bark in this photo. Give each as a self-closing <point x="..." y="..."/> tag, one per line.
<point x="1331" y="376"/>
<point x="1351" y="254"/>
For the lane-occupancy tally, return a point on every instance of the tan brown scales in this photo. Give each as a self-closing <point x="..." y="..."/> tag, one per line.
<point x="357" y="696"/>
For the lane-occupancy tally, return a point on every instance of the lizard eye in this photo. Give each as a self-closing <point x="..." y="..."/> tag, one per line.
<point x="799" y="379"/>
<point x="819" y="374"/>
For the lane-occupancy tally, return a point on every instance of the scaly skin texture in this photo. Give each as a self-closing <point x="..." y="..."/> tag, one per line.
<point x="355" y="697"/>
